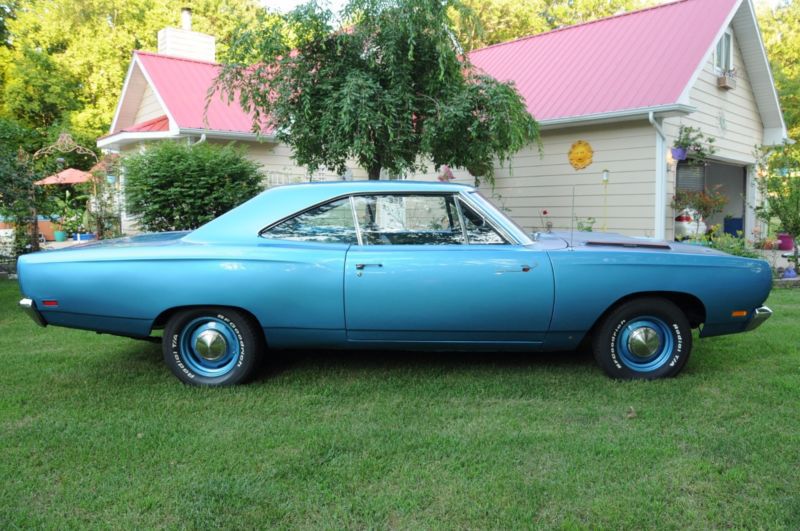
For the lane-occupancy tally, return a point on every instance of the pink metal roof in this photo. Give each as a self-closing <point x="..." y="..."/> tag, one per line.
<point x="183" y="84"/>
<point x="156" y="124"/>
<point x="639" y="59"/>
<point x="68" y="176"/>
<point x="636" y="60"/>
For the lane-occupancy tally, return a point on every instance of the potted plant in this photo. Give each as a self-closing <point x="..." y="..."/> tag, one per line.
<point x="693" y="145"/>
<point x="705" y="204"/>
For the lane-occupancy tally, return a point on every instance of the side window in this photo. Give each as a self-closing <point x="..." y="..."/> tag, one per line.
<point x="329" y="223"/>
<point x="724" y="57"/>
<point x="408" y="220"/>
<point x="479" y="232"/>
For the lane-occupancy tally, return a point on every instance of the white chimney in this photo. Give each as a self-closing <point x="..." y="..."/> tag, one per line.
<point x="186" y="19"/>
<point x="186" y="43"/>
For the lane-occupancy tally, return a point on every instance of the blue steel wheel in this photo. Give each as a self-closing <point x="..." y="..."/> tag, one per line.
<point x="212" y="346"/>
<point x="643" y="338"/>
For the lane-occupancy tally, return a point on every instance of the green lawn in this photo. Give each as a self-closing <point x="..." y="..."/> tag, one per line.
<point x="95" y="432"/>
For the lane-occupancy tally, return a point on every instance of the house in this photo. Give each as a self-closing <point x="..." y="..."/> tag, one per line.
<point x="610" y="96"/>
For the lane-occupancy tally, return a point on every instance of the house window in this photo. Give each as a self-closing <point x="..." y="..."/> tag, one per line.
<point x="690" y="178"/>
<point x="723" y="59"/>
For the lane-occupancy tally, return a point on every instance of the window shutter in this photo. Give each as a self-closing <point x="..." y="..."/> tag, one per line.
<point x="690" y="178"/>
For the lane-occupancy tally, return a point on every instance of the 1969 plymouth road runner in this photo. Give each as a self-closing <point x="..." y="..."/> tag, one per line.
<point x="393" y="264"/>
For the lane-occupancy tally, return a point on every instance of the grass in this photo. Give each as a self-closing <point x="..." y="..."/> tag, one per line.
<point x="95" y="432"/>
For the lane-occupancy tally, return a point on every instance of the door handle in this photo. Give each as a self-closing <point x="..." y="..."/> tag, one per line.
<point x="524" y="268"/>
<point x="362" y="266"/>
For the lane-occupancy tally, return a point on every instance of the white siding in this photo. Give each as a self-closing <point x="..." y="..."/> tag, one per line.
<point x="731" y="116"/>
<point x="279" y="168"/>
<point x="532" y="182"/>
<point x="149" y="108"/>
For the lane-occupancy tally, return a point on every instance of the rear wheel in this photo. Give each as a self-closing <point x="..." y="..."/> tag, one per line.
<point x="644" y="338"/>
<point x="212" y="346"/>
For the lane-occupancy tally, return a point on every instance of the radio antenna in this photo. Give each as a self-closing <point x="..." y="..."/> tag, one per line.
<point x="571" y="222"/>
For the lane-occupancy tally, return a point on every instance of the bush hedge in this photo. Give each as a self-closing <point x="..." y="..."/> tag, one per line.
<point x="176" y="186"/>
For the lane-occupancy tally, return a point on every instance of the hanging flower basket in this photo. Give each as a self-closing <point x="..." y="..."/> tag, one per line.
<point x="678" y="153"/>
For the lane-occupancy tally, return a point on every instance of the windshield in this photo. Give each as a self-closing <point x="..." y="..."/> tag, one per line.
<point x="508" y="223"/>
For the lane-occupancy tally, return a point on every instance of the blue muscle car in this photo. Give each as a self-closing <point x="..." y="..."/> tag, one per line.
<point x="393" y="264"/>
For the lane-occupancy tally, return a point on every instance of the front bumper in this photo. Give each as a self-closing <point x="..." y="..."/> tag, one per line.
<point x="30" y="308"/>
<point x="759" y="316"/>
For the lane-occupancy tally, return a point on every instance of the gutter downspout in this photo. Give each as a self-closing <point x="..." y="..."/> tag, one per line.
<point x="661" y="179"/>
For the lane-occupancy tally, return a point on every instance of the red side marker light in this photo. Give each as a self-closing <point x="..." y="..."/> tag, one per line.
<point x="739" y="313"/>
<point x="50" y="303"/>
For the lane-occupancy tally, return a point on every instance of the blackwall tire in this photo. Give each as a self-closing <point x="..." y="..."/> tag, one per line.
<point x="212" y="346"/>
<point x="643" y="339"/>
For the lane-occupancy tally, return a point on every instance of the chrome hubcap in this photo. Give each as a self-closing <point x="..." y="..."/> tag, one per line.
<point x="211" y="345"/>
<point x="644" y="342"/>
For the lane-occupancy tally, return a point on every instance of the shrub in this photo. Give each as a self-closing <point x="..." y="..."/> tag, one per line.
<point x="735" y="245"/>
<point x="779" y="185"/>
<point x="174" y="186"/>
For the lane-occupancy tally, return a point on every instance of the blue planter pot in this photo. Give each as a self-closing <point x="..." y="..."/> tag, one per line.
<point x="678" y="153"/>
<point x="84" y="236"/>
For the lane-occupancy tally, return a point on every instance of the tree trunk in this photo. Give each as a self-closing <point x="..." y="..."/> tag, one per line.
<point x="35" y="222"/>
<point x="374" y="173"/>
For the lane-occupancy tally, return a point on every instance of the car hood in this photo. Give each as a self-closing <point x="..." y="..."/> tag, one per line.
<point x="610" y="240"/>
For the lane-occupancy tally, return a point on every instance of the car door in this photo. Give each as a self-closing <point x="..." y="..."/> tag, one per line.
<point x="429" y="268"/>
<point x="298" y="294"/>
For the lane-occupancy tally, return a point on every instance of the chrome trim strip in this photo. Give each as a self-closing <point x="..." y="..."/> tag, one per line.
<point x="760" y="315"/>
<point x="356" y="225"/>
<point x="510" y="238"/>
<point x="30" y="308"/>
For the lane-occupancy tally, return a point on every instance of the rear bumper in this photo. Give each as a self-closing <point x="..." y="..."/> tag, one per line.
<point x="30" y="308"/>
<point x="759" y="316"/>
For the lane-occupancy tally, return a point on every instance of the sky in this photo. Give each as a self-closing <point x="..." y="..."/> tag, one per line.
<point x="288" y="5"/>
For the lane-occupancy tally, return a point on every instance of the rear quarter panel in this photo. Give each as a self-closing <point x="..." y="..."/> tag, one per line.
<point x="122" y="290"/>
<point x="588" y="281"/>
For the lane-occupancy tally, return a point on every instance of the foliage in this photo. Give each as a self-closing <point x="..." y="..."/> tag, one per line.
<point x="37" y="90"/>
<point x="90" y="43"/>
<point x="779" y="184"/>
<point x="72" y="212"/>
<point x="104" y="207"/>
<point x="390" y="91"/>
<point x="699" y="147"/>
<point x="706" y="203"/>
<point x="486" y="22"/>
<point x="17" y="174"/>
<point x="585" y="224"/>
<point x="736" y="245"/>
<point x="7" y="13"/>
<point x="780" y="26"/>
<point x="174" y="186"/>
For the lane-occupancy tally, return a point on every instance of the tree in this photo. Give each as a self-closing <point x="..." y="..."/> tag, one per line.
<point x="781" y="31"/>
<point x="779" y="185"/>
<point x="37" y="91"/>
<point x="491" y="21"/>
<point x="389" y="90"/>
<point x="7" y="10"/>
<point x="174" y="186"/>
<point x="90" y="43"/>
<point x="17" y="193"/>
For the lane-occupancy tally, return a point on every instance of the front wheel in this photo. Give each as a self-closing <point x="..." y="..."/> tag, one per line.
<point x="212" y="346"/>
<point x="643" y="339"/>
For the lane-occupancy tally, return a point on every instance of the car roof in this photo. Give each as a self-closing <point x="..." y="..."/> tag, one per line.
<point x="274" y="204"/>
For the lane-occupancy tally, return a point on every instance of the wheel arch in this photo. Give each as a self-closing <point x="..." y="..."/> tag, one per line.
<point x="161" y="320"/>
<point x="691" y="306"/>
